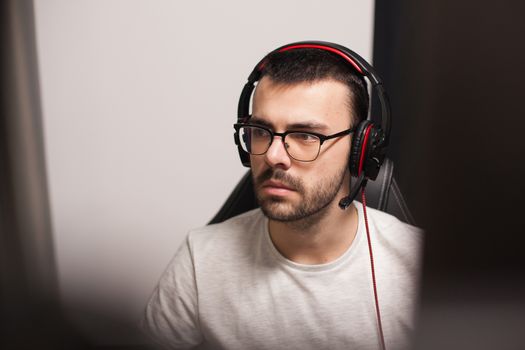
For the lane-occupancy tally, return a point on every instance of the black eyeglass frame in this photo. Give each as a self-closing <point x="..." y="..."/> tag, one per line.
<point x="322" y="138"/>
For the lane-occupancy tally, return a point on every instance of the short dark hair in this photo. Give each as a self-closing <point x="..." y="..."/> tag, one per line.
<point x="310" y="65"/>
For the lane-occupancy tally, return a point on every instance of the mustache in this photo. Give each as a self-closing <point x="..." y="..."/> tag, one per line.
<point x="281" y="176"/>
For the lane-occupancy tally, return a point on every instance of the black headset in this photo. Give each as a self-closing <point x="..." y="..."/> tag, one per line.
<point x="370" y="140"/>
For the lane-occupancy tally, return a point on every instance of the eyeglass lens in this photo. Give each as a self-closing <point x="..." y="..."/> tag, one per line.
<point x="299" y="145"/>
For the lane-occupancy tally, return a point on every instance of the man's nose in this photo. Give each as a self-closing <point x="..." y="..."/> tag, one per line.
<point x="276" y="156"/>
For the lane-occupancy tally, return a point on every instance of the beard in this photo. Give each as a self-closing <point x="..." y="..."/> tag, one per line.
<point x="314" y="199"/>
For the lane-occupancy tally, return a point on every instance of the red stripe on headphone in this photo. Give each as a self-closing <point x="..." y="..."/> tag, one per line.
<point x="326" y="48"/>
<point x="363" y="151"/>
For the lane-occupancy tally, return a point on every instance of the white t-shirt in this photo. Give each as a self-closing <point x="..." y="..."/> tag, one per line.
<point x="228" y="287"/>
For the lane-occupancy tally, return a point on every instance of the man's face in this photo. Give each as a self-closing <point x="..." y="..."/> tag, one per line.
<point x="287" y="189"/>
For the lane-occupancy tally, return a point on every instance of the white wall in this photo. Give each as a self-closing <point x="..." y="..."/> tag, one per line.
<point x="139" y="98"/>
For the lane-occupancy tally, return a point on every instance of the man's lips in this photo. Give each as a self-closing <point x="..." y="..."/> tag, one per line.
<point x="277" y="185"/>
<point x="276" y="188"/>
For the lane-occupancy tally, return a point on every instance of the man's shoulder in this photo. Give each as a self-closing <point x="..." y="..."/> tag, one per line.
<point x="234" y="224"/>
<point x="392" y="229"/>
<point x="237" y="231"/>
<point x="386" y="221"/>
<point x="399" y="243"/>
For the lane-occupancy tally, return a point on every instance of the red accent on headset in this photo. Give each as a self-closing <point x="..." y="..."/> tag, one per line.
<point x="326" y="48"/>
<point x="261" y="66"/>
<point x="363" y="151"/>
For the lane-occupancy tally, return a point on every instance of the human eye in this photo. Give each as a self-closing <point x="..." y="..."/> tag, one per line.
<point x="304" y="137"/>
<point x="258" y="132"/>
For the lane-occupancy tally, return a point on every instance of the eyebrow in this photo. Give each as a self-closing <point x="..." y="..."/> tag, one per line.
<point x="311" y="125"/>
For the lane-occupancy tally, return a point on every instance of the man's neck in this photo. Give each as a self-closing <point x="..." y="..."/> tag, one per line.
<point x="319" y="239"/>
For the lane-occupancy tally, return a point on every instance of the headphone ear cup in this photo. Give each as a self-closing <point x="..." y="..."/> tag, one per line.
<point x="357" y="147"/>
<point x="243" y="114"/>
<point x="243" y="155"/>
<point x="245" y="158"/>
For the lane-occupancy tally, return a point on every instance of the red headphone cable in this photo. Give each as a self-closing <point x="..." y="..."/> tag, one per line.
<point x="378" y="313"/>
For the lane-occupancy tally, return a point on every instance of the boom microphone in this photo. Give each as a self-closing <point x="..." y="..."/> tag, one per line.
<point x="346" y="201"/>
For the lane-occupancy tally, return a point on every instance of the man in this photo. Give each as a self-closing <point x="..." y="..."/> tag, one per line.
<point x="294" y="274"/>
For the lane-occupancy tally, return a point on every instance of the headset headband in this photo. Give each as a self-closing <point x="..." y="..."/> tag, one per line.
<point x="356" y="61"/>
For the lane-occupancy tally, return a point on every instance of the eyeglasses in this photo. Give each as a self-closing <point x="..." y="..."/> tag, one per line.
<point x="300" y="145"/>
